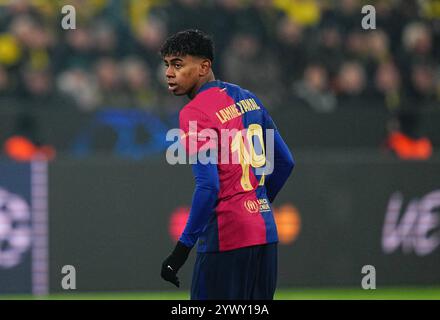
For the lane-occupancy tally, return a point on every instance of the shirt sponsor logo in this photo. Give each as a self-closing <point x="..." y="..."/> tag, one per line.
<point x="264" y="205"/>
<point x="254" y="206"/>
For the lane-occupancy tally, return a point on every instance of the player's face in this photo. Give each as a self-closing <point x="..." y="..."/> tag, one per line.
<point x="182" y="73"/>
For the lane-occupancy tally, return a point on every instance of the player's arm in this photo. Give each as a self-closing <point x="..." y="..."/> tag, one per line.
<point x="203" y="202"/>
<point x="283" y="166"/>
<point x="283" y="162"/>
<point x="207" y="182"/>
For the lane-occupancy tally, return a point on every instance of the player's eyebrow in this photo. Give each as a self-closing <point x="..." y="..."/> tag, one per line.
<point x="173" y="60"/>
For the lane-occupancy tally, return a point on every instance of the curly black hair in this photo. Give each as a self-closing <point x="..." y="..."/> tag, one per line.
<point x="189" y="42"/>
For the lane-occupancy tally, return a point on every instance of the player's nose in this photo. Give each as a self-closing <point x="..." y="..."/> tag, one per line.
<point x="169" y="72"/>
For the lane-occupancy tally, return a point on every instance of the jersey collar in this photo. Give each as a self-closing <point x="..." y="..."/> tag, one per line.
<point x="210" y="84"/>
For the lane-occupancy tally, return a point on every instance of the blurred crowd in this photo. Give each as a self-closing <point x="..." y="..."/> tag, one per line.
<point x="311" y="54"/>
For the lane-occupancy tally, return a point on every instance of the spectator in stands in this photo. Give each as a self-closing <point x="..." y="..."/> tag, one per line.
<point x="246" y="62"/>
<point x="417" y="47"/>
<point x="408" y="10"/>
<point x="89" y="11"/>
<point x="388" y="86"/>
<point x="422" y="89"/>
<point x="10" y="51"/>
<point x="37" y="83"/>
<point x="104" y="62"/>
<point x="81" y="86"/>
<point x="110" y="83"/>
<point x="328" y="50"/>
<point x="224" y="17"/>
<point x="138" y="84"/>
<point x="314" y="91"/>
<point x="148" y="38"/>
<point x="390" y="20"/>
<point x="303" y="12"/>
<point x="351" y="83"/>
<point x="76" y="51"/>
<point x="35" y="40"/>
<point x="345" y="15"/>
<point x="260" y="18"/>
<point x="14" y="9"/>
<point x="291" y="50"/>
<point x="377" y="43"/>
<point x="355" y="48"/>
<point x="5" y="86"/>
<point x="37" y="91"/>
<point x="105" y="39"/>
<point x="187" y="14"/>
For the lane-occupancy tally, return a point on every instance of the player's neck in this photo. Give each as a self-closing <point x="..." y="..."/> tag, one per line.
<point x="210" y="77"/>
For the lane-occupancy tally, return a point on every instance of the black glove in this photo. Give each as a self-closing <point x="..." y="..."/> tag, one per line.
<point x="174" y="262"/>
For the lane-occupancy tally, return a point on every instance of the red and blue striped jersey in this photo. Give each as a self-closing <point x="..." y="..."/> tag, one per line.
<point x="231" y="205"/>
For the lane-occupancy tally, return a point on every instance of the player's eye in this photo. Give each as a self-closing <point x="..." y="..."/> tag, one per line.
<point x="178" y="66"/>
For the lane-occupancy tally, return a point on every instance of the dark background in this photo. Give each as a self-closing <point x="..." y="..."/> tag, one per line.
<point x="110" y="220"/>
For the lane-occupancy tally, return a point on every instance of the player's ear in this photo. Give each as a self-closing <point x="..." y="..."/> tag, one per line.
<point x="205" y="67"/>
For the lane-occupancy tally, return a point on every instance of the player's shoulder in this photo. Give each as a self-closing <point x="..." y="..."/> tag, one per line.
<point x="240" y="93"/>
<point x="206" y="102"/>
<point x="235" y="89"/>
<point x="194" y="111"/>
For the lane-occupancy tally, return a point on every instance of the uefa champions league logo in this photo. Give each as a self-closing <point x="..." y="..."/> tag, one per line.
<point x="15" y="229"/>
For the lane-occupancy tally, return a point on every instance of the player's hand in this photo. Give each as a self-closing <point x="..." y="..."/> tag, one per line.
<point x="169" y="273"/>
<point x="174" y="262"/>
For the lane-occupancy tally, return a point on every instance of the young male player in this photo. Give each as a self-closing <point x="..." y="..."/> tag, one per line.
<point x="231" y="216"/>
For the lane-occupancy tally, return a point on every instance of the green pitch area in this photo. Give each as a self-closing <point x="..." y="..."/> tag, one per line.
<point x="401" y="293"/>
